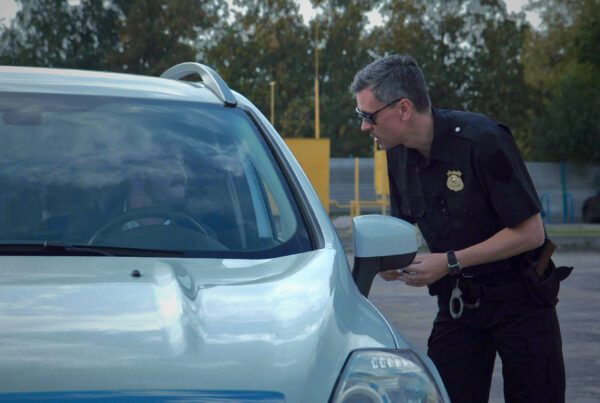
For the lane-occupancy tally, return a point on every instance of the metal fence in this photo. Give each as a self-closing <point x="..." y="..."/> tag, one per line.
<point x="550" y="179"/>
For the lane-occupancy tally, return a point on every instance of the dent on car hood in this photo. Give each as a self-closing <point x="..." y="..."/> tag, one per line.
<point x="85" y="323"/>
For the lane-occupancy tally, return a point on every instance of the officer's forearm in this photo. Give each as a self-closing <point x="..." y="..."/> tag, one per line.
<point x="505" y="243"/>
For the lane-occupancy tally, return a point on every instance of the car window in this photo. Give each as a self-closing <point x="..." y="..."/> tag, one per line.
<point x="137" y="173"/>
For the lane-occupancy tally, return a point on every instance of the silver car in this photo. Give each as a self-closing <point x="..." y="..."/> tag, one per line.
<point x="158" y="241"/>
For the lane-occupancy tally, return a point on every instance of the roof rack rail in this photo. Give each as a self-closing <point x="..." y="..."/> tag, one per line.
<point x="211" y="79"/>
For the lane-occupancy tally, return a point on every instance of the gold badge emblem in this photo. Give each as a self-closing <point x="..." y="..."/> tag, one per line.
<point x="454" y="182"/>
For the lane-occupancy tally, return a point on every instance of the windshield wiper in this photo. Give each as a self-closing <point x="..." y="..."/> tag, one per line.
<point x="57" y="248"/>
<point x="51" y="248"/>
<point x="62" y="247"/>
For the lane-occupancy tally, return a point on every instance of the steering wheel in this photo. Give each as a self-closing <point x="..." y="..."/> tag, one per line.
<point x="147" y="212"/>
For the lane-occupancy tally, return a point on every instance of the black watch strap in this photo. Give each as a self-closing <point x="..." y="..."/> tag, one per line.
<point x="453" y="265"/>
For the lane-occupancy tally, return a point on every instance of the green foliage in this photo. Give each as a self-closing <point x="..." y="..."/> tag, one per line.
<point x="569" y="127"/>
<point x="269" y="42"/>
<point x="51" y="33"/>
<point x="141" y="36"/>
<point x="469" y="51"/>
<point x="157" y="34"/>
<point x="563" y="66"/>
<point x="343" y="50"/>
<point x="543" y="84"/>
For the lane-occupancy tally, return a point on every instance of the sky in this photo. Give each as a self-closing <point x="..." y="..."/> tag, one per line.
<point x="8" y="9"/>
<point x="512" y="6"/>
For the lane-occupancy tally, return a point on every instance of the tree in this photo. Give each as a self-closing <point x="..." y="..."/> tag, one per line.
<point x="343" y="50"/>
<point x="470" y="52"/>
<point x="269" y="42"/>
<point x="157" y="34"/>
<point x="568" y="129"/>
<point x="563" y="66"/>
<point x="52" y="33"/>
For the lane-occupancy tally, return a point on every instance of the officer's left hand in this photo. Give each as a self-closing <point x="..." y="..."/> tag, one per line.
<point x="425" y="270"/>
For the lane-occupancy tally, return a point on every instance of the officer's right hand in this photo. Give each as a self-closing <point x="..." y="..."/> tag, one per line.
<point x="390" y="275"/>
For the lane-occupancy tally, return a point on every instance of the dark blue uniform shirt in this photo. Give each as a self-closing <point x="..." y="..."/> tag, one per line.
<point x="473" y="184"/>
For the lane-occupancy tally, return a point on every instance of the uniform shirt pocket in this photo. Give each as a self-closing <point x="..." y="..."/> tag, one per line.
<point x="466" y="205"/>
<point x="462" y="211"/>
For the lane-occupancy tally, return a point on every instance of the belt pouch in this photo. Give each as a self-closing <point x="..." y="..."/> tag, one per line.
<point x="544" y="290"/>
<point x="543" y="278"/>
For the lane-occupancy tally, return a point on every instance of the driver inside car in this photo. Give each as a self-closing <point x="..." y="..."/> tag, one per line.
<point x="151" y="212"/>
<point x="162" y="183"/>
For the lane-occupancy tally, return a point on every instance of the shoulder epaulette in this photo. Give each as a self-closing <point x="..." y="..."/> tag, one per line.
<point x="472" y="126"/>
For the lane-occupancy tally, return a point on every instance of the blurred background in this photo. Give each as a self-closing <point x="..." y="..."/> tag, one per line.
<point x="534" y="65"/>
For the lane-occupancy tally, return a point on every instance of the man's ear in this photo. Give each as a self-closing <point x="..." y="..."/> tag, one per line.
<point x="405" y="109"/>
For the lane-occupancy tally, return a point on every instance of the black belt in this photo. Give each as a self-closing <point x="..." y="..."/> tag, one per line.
<point x="480" y="292"/>
<point x="514" y="290"/>
<point x="512" y="286"/>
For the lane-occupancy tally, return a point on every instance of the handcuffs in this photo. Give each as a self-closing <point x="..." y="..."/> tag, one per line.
<point x="454" y="269"/>
<point x="457" y="297"/>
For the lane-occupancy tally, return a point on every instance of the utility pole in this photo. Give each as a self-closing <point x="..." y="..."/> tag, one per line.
<point x="272" y="84"/>
<point x="317" y="119"/>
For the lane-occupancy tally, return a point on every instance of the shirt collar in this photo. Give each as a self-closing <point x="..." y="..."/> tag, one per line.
<point x="440" y="145"/>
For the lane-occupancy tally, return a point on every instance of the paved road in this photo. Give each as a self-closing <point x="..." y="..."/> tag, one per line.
<point x="412" y="310"/>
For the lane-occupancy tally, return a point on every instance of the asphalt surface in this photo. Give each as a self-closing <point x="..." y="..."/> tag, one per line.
<point x="412" y="311"/>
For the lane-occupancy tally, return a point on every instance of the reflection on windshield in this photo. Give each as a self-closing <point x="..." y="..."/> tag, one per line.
<point x="142" y="174"/>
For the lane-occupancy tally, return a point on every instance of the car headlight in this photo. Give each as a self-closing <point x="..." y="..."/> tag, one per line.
<point x="378" y="376"/>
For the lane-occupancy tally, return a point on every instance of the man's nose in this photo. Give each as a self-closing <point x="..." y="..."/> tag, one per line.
<point x="176" y="168"/>
<point x="182" y="172"/>
<point x="366" y="126"/>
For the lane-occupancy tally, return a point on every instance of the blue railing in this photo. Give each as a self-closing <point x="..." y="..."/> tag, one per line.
<point x="568" y="208"/>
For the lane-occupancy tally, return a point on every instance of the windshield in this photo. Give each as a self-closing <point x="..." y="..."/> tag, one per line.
<point x="148" y="174"/>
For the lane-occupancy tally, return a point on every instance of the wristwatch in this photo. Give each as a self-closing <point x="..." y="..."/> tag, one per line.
<point x="453" y="265"/>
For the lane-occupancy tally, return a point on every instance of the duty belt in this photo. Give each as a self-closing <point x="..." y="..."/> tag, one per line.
<point x="480" y="292"/>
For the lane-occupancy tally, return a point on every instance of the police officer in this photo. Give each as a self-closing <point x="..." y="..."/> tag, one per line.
<point x="460" y="177"/>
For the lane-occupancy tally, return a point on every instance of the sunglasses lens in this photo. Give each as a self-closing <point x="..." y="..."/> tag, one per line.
<point x="362" y="116"/>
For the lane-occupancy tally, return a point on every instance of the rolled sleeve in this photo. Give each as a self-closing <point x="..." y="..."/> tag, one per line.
<point x="505" y="179"/>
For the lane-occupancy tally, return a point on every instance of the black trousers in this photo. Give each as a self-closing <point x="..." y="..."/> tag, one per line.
<point x="526" y="337"/>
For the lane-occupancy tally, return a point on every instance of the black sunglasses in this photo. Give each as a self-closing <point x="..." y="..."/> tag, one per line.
<point x="370" y="117"/>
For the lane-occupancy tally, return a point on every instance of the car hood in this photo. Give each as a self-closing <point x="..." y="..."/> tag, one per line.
<point x="283" y="325"/>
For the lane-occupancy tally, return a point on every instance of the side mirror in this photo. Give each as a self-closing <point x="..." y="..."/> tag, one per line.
<point x="380" y="243"/>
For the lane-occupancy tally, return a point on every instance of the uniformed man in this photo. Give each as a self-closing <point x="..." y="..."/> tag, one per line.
<point x="460" y="177"/>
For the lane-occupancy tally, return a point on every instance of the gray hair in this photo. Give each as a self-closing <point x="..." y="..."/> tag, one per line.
<point x="393" y="77"/>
